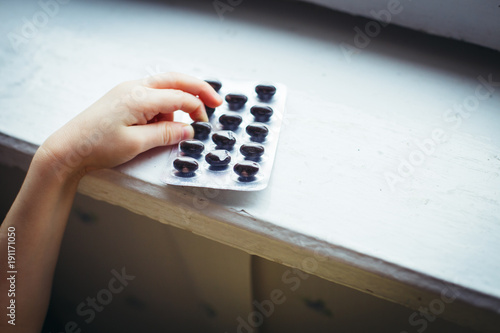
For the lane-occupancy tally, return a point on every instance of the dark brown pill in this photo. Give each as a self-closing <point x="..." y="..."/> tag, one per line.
<point x="252" y="150"/>
<point x="224" y="140"/>
<point x="185" y="165"/>
<point x="230" y="121"/>
<point x="236" y="101"/>
<point x="246" y="169"/>
<point x="218" y="158"/>
<point x="210" y="111"/>
<point x="257" y="132"/>
<point x="215" y="84"/>
<point x="265" y="92"/>
<point x="261" y="113"/>
<point x="201" y="130"/>
<point x="191" y="147"/>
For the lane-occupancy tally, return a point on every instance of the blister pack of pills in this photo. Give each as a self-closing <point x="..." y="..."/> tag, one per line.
<point x="235" y="150"/>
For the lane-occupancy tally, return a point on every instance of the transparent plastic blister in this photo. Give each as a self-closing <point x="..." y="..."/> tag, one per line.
<point x="183" y="157"/>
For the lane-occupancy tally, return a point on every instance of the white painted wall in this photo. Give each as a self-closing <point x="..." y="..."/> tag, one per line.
<point x="476" y="22"/>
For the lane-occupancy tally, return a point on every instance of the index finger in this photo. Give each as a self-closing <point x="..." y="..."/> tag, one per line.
<point x="188" y="84"/>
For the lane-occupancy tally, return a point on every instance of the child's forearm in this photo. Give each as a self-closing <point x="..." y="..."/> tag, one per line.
<point x="131" y="118"/>
<point x="36" y="223"/>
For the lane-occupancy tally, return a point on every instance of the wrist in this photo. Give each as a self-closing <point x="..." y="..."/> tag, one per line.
<point x="57" y="165"/>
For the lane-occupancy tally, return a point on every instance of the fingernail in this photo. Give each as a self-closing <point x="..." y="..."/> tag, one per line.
<point x="187" y="132"/>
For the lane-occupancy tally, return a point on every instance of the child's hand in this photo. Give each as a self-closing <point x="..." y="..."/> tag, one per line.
<point x="131" y="118"/>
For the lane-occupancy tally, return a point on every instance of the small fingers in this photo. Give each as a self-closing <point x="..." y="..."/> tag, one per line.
<point x="162" y="117"/>
<point x="188" y="84"/>
<point x="160" y="134"/>
<point x="164" y="102"/>
<point x="165" y="117"/>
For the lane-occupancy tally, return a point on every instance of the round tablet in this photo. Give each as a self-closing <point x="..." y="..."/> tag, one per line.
<point x="185" y="165"/>
<point x="236" y="101"/>
<point x="201" y="130"/>
<point x="215" y="84"/>
<point x="252" y="150"/>
<point x="257" y="132"/>
<point x="265" y="92"/>
<point x="191" y="147"/>
<point x="224" y="140"/>
<point x="246" y="169"/>
<point x="230" y="121"/>
<point x="262" y="113"/>
<point x="218" y="158"/>
<point x="210" y="111"/>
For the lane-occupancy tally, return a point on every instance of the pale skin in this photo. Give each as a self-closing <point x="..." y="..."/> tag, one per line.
<point x="133" y="117"/>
